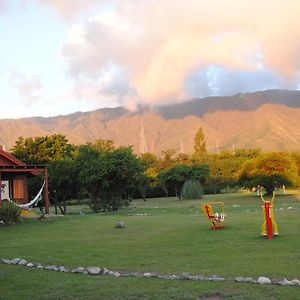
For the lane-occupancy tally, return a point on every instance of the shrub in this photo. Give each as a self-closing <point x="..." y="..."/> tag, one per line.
<point x="9" y="212"/>
<point x="192" y="190"/>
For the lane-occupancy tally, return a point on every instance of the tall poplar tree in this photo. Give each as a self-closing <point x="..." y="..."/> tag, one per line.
<point x="200" y="152"/>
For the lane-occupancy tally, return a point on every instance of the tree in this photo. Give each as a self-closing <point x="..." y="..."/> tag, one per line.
<point x="270" y="170"/>
<point x="105" y="145"/>
<point x="174" y="177"/>
<point x="92" y="167"/>
<point x="45" y="149"/>
<point x="105" y="175"/>
<point x="63" y="183"/>
<point x="123" y="169"/>
<point x="199" y="172"/>
<point x="200" y="152"/>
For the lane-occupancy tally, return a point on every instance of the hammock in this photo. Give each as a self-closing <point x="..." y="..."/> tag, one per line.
<point x="33" y="201"/>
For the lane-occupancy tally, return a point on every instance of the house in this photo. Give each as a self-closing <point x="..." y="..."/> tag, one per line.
<point x="13" y="178"/>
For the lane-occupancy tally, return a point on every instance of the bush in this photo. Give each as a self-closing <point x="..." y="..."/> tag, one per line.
<point x="9" y="212"/>
<point x="192" y="190"/>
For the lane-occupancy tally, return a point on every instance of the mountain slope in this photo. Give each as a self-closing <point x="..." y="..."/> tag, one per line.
<point x="269" y="120"/>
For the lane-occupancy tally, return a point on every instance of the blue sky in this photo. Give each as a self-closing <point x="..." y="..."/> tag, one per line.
<point x="62" y="56"/>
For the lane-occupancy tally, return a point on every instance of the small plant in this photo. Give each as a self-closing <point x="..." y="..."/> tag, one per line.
<point x="192" y="190"/>
<point x="9" y="212"/>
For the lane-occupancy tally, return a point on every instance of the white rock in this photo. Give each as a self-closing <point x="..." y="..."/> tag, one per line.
<point x="285" y="282"/>
<point x="93" y="270"/>
<point x="30" y="265"/>
<point x="120" y="224"/>
<point x="296" y="282"/>
<point x="22" y="262"/>
<point x="263" y="280"/>
<point x="117" y="274"/>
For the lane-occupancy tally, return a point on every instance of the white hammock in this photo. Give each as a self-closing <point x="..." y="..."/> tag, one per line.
<point x="33" y="201"/>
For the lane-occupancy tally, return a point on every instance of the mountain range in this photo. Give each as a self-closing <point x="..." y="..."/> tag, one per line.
<point x="269" y="120"/>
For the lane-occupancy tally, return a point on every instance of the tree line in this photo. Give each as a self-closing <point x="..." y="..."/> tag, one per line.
<point x="111" y="176"/>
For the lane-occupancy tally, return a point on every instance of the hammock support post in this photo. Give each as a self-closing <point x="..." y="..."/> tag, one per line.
<point x="46" y="194"/>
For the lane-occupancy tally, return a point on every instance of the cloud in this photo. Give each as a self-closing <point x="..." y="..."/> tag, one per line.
<point x="70" y="8"/>
<point x="161" y="45"/>
<point x="28" y="89"/>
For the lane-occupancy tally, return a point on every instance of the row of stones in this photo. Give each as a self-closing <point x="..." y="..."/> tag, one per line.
<point x="181" y="276"/>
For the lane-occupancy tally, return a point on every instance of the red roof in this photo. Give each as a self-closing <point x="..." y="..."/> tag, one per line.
<point x="6" y="159"/>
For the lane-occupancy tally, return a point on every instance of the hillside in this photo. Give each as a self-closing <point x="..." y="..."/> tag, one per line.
<point x="269" y="120"/>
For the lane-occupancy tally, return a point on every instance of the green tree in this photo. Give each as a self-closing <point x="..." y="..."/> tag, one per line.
<point x="174" y="178"/>
<point x="200" y="152"/>
<point x="269" y="170"/>
<point x="42" y="149"/>
<point x="63" y="183"/>
<point x="92" y="167"/>
<point x="106" y="175"/>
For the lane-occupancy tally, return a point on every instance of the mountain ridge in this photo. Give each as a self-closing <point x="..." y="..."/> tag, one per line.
<point x="266" y="119"/>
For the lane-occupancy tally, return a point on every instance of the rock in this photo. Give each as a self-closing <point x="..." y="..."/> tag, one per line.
<point x="285" y="282"/>
<point x="199" y="277"/>
<point x="120" y="224"/>
<point x="22" y="262"/>
<point x="296" y="282"/>
<point x="148" y="274"/>
<point x="249" y="279"/>
<point x="135" y="274"/>
<point x="39" y="266"/>
<point x="6" y="261"/>
<point x="184" y="276"/>
<point x="290" y="208"/>
<point x="105" y="271"/>
<point x="263" y="280"/>
<point x="79" y="270"/>
<point x="217" y="278"/>
<point x="15" y="261"/>
<point x="94" y="270"/>
<point x="62" y="269"/>
<point x="52" y="268"/>
<point x="30" y="265"/>
<point x="239" y="279"/>
<point x="173" y="277"/>
<point x="117" y="274"/>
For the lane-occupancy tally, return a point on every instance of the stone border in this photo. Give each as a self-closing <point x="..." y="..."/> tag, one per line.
<point x="93" y="271"/>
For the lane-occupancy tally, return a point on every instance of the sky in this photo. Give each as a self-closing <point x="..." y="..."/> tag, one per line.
<point x="62" y="56"/>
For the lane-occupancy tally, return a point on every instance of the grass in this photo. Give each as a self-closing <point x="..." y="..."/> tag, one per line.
<point x="160" y="235"/>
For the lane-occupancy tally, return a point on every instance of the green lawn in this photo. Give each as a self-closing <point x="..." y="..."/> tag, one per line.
<point x="160" y="235"/>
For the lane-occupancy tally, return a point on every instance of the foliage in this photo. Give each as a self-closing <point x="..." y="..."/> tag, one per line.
<point x="192" y="190"/>
<point x="9" y="212"/>
<point x="200" y="172"/>
<point x="63" y="183"/>
<point x="174" y="177"/>
<point x="105" y="145"/>
<point x="200" y="152"/>
<point x="92" y="166"/>
<point x="105" y="175"/>
<point x="269" y="170"/>
<point x="42" y="149"/>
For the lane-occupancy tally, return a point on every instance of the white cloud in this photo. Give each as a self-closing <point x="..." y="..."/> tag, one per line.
<point x="160" y="43"/>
